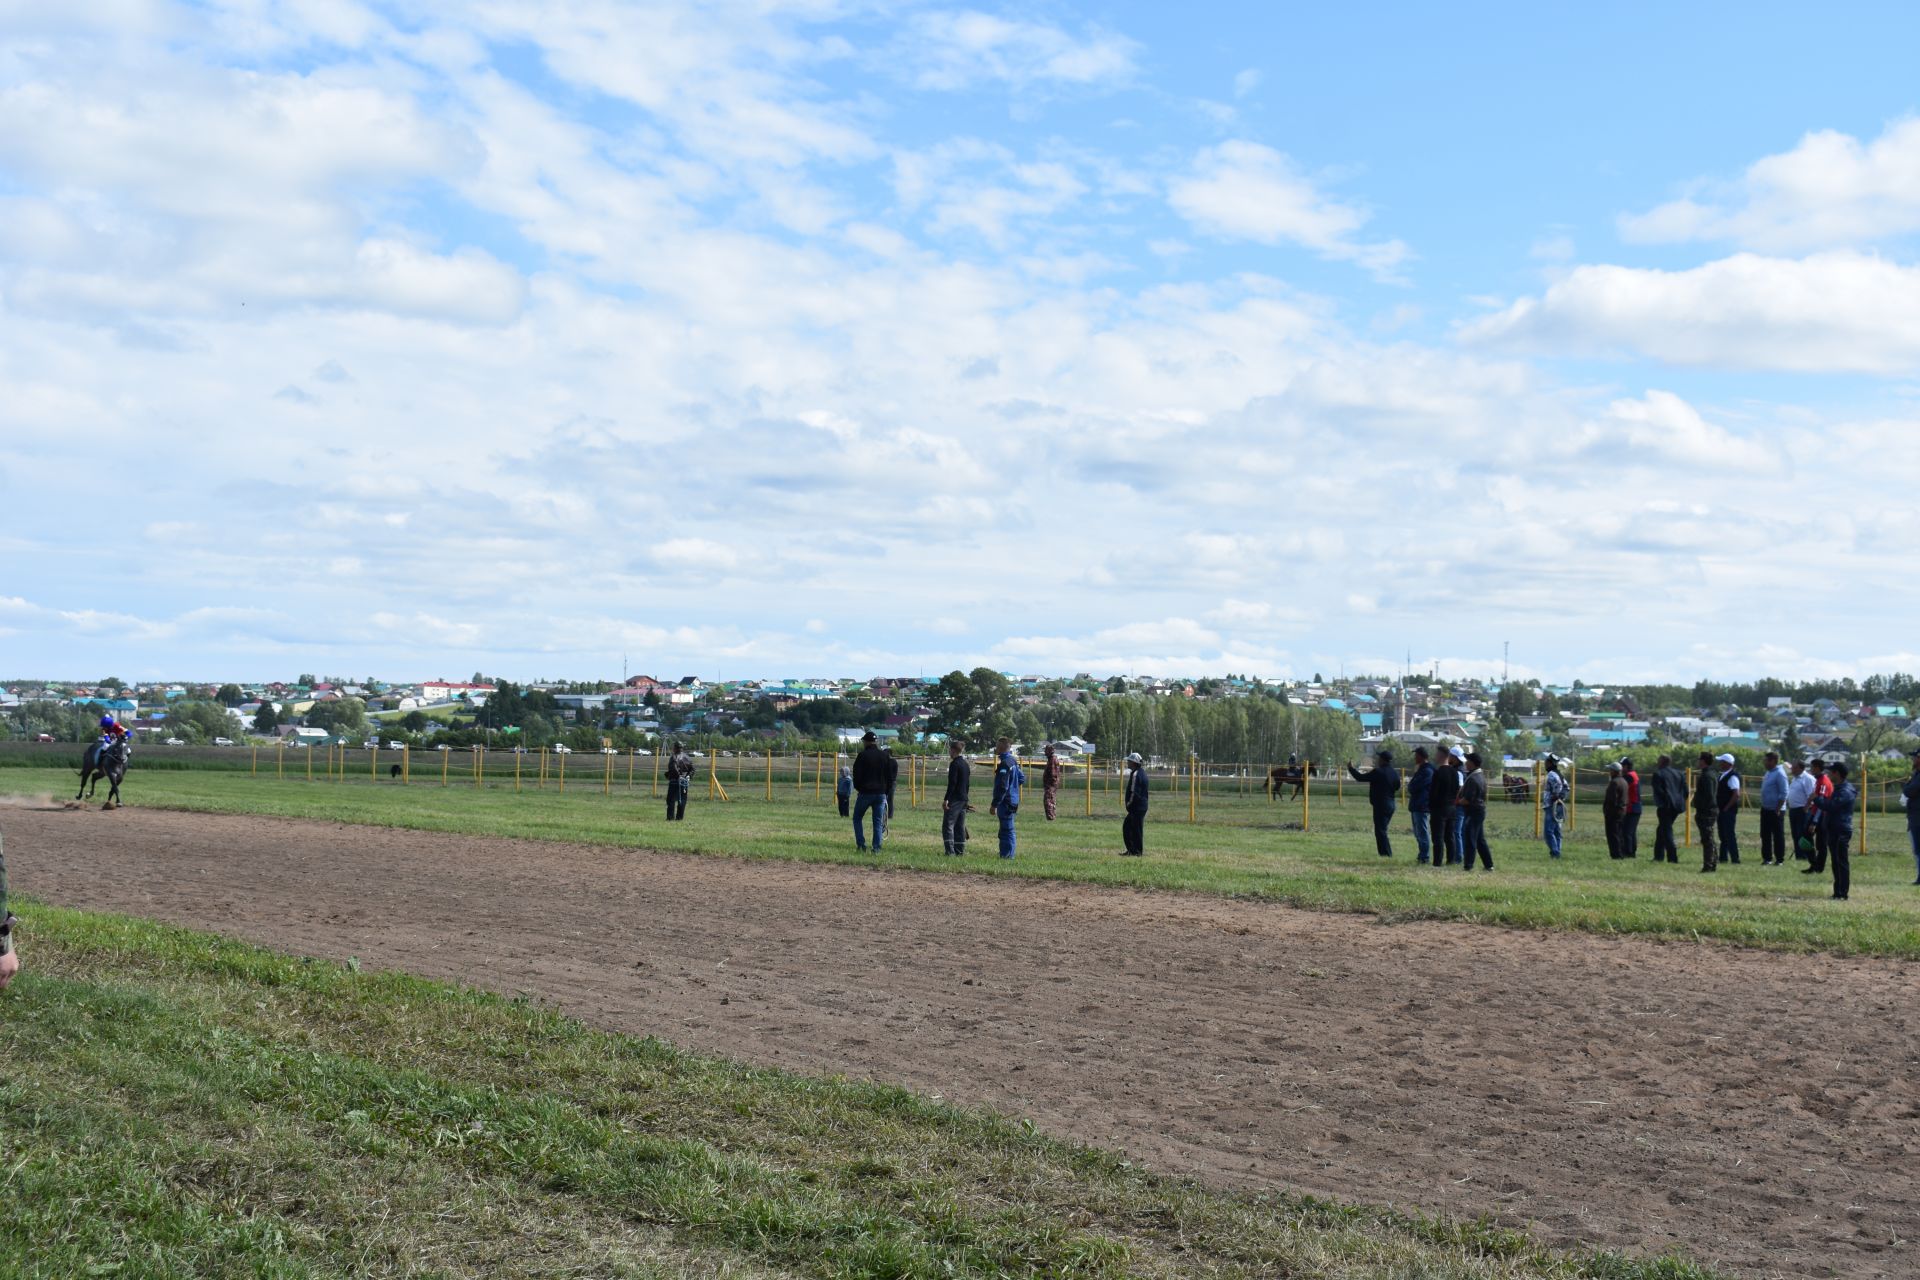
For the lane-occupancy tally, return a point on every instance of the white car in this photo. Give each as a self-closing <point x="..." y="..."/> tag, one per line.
<point x="443" y="747"/>
<point x="608" y="751"/>
<point x="223" y="742"/>
<point x="563" y="750"/>
<point x="396" y="746"/>
<point x="175" y="742"/>
<point x="371" y="743"/>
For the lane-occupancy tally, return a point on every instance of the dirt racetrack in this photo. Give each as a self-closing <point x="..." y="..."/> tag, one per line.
<point x="1760" y="1111"/>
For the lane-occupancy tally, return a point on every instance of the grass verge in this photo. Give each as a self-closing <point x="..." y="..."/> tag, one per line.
<point x="179" y="1105"/>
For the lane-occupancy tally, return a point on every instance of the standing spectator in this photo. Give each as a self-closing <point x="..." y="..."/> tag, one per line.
<point x="1727" y="797"/>
<point x="1630" y="821"/>
<point x="1706" y="812"/>
<point x="1909" y="796"/>
<point x="1383" y="789"/>
<point x="1773" y="813"/>
<point x="1050" y="782"/>
<point x="953" y="805"/>
<point x="1669" y="802"/>
<point x="1419" y="800"/>
<point x="1822" y="789"/>
<point x="843" y="788"/>
<point x="1473" y="804"/>
<point x="1553" y="803"/>
<point x="1799" y="797"/>
<point x="1836" y="815"/>
<point x="1133" y="829"/>
<point x="870" y="791"/>
<point x="1008" y="778"/>
<point x="1446" y="814"/>
<point x="10" y="958"/>
<point x="1613" y="811"/>
<point x="679" y="782"/>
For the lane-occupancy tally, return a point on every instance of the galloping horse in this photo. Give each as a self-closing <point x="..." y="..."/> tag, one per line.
<point x="1518" y="787"/>
<point x="109" y="763"/>
<point x="1280" y="775"/>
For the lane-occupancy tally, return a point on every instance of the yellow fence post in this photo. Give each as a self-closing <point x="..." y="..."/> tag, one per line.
<point x="516" y="769"/>
<point x="1193" y="788"/>
<point x="406" y="765"/>
<point x="654" y="790"/>
<point x="1539" y="781"/>
<point x="769" y="773"/>
<point x="1340" y="786"/>
<point x="560" y="757"/>
<point x="799" y="772"/>
<point x="309" y="763"/>
<point x="1089" y="786"/>
<point x="630" y="755"/>
<point x="256" y="761"/>
<point x="607" y="789"/>
<point x="373" y="763"/>
<point x="444" y="756"/>
<point x="819" y="767"/>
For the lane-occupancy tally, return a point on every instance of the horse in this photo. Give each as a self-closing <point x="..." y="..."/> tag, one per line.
<point x="1280" y="775"/>
<point x="1518" y="787"/>
<point x="109" y="763"/>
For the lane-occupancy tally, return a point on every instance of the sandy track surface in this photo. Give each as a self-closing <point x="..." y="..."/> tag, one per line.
<point x="1760" y="1111"/>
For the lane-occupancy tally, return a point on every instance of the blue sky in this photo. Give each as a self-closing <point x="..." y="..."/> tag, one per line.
<point x="834" y="337"/>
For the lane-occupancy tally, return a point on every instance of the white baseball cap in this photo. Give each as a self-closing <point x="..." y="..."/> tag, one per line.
<point x="1724" y="759"/>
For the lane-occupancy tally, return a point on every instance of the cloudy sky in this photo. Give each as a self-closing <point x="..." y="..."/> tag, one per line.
<point x="839" y="337"/>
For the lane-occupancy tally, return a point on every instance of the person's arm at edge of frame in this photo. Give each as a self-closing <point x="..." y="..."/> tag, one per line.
<point x="9" y="958"/>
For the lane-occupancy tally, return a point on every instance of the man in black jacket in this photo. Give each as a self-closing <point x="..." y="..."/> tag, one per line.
<point x="870" y="783"/>
<point x="1706" y="811"/>
<point x="953" y="805"/>
<point x="1383" y="790"/>
<point x="1444" y="814"/>
<point x="1669" y="802"/>
<point x="1133" y="828"/>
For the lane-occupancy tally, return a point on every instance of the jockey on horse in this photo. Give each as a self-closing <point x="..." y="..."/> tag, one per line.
<point x="114" y="736"/>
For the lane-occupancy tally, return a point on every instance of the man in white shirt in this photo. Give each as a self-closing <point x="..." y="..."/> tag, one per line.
<point x="1799" y="796"/>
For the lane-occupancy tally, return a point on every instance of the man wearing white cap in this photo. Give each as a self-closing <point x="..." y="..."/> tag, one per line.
<point x="1727" y="796"/>
<point x="1133" y="828"/>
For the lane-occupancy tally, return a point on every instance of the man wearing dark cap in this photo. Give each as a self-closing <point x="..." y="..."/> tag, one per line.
<point x="1133" y="828"/>
<point x="1613" y="811"/>
<point x="1445" y="814"/>
<point x="1383" y="790"/>
<point x="871" y="778"/>
<point x="1706" y="811"/>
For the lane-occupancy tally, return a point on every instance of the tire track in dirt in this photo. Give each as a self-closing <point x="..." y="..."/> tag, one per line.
<point x="1755" y="1109"/>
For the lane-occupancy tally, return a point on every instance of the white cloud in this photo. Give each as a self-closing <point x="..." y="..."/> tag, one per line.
<point x="1246" y="81"/>
<point x="1829" y="191"/>
<point x="1839" y="311"/>
<point x="1246" y="191"/>
<point x="953" y="49"/>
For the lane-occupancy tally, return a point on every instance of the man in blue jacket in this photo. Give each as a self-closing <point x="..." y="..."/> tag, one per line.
<point x="1133" y="829"/>
<point x="1419" y="794"/>
<point x="1383" y="790"/>
<point x="1773" y="813"/>
<point x="1836" y="818"/>
<point x="1007" y="781"/>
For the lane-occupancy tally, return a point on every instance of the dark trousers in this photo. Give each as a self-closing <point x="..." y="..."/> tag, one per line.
<point x="1729" y="838"/>
<point x="1663" y="841"/>
<point x="1821" y="844"/>
<point x="1382" y="821"/>
<point x="846" y="805"/>
<point x="1473" y="839"/>
<point x="1133" y="832"/>
<point x="1616" y="838"/>
<point x="953" y="829"/>
<point x="1630" y="833"/>
<point x="1797" y="823"/>
<point x="1837" y="843"/>
<point x="1773" y="836"/>
<point x="1703" y="821"/>
<point x="677" y="799"/>
<point x="1445" y="848"/>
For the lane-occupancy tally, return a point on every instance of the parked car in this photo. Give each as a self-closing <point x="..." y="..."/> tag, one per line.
<point x="608" y="751"/>
<point x="371" y="743"/>
<point x="223" y="742"/>
<point x="563" y="750"/>
<point x="176" y="742"/>
<point x="394" y="745"/>
<point x="443" y="747"/>
<point x="43" y="737"/>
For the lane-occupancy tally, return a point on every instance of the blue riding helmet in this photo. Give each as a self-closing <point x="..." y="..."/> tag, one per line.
<point x="106" y="722"/>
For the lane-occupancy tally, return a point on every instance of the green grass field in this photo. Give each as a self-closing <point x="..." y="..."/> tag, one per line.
<point x="1242" y="847"/>
<point x="176" y="1105"/>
